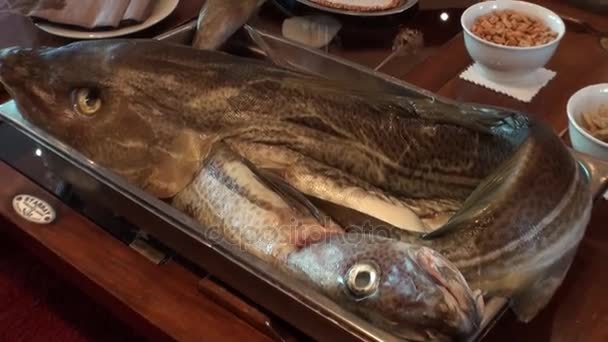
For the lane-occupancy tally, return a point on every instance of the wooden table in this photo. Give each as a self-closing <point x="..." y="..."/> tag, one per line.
<point x="578" y="312"/>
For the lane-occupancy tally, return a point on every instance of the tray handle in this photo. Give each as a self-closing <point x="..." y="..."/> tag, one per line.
<point x="597" y="172"/>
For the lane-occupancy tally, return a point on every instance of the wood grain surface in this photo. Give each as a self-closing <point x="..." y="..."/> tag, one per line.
<point x="162" y="302"/>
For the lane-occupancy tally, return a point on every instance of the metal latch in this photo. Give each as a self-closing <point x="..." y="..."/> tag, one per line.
<point x="142" y="244"/>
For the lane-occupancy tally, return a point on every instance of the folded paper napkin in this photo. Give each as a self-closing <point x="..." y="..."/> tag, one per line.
<point x="94" y="13"/>
<point x="523" y="90"/>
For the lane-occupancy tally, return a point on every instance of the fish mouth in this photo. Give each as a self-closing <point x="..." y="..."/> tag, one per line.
<point x="11" y="65"/>
<point x="19" y="74"/>
<point x="464" y="307"/>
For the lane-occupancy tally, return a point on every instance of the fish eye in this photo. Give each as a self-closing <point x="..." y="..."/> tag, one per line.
<point x="362" y="279"/>
<point x="86" y="101"/>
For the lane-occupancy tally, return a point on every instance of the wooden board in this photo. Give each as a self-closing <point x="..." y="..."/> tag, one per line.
<point x="159" y="301"/>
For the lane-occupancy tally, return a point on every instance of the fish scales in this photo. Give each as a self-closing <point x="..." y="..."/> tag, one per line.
<point x="180" y="141"/>
<point x="521" y="210"/>
<point x="509" y="200"/>
<point x="225" y="195"/>
<point x="546" y="209"/>
<point x="317" y="179"/>
<point x="229" y="201"/>
<point x="379" y="122"/>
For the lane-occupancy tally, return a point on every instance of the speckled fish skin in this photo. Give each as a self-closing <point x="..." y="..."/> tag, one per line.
<point x="524" y="201"/>
<point x="235" y="206"/>
<point x="406" y="147"/>
<point x="421" y="294"/>
<point x="169" y="116"/>
<point x="547" y="208"/>
<point x="160" y="127"/>
<point x="519" y="241"/>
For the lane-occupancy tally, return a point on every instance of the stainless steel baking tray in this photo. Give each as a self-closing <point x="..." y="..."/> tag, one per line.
<point x="289" y="299"/>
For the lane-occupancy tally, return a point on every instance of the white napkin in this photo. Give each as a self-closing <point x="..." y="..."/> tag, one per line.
<point x="522" y="90"/>
<point x="606" y="195"/>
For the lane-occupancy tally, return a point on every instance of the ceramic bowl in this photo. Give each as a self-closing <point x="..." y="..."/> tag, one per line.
<point x="501" y="62"/>
<point x="587" y="99"/>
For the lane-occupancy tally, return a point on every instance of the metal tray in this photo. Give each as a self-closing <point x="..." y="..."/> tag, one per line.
<point x="295" y="302"/>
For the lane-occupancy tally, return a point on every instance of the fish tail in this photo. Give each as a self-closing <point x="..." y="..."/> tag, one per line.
<point x="528" y="303"/>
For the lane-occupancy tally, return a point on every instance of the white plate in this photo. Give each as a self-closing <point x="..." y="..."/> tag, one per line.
<point x="402" y="7"/>
<point x="161" y="10"/>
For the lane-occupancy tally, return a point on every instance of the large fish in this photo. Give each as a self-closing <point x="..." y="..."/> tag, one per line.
<point x="170" y="119"/>
<point x="529" y="284"/>
<point x="495" y="192"/>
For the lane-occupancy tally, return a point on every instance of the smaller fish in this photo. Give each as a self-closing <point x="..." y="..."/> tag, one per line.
<point x="220" y="19"/>
<point x="411" y="291"/>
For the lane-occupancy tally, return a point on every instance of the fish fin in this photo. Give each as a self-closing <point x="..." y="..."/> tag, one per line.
<point x="472" y="116"/>
<point x="482" y="200"/>
<point x="356" y="222"/>
<point x="271" y="54"/>
<point x="528" y="303"/>
<point x="218" y="20"/>
<point x="290" y="195"/>
<point x="228" y="198"/>
<point x="176" y="165"/>
<point x="485" y="119"/>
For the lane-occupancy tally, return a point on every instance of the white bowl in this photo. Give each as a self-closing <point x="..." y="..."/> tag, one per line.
<point x="501" y="62"/>
<point x="587" y="99"/>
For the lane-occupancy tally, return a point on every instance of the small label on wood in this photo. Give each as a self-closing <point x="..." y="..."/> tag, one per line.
<point x="604" y="43"/>
<point x="33" y="209"/>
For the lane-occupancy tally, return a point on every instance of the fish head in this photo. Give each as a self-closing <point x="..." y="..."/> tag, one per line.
<point x="90" y="95"/>
<point x="70" y="91"/>
<point x="411" y="291"/>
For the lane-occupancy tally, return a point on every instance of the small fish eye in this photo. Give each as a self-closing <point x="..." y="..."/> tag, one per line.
<point x="86" y="101"/>
<point x="362" y="279"/>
